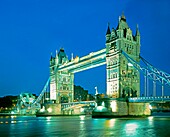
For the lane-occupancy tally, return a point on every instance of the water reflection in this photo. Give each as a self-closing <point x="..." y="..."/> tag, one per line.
<point x="83" y="126"/>
<point x="110" y="123"/>
<point x="131" y="129"/>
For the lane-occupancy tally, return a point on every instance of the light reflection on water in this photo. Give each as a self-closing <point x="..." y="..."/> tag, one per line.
<point x="84" y="126"/>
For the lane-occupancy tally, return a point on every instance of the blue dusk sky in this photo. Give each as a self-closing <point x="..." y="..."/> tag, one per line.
<point x="31" y="29"/>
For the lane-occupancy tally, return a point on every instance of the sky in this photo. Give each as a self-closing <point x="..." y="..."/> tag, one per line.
<point x="31" y="30"/>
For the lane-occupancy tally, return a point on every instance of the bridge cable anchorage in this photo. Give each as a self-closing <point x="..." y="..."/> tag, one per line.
<point x="37" y="101"/>
<point x="153" y="73"/>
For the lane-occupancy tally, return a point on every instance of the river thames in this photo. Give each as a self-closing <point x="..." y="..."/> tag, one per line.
<point x="84" y="126"/>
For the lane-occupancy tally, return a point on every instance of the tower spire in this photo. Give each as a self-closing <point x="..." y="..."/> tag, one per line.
<point x="123" y="16"/>
<point x="137" y="30"/>
<point x="108" y="29"/>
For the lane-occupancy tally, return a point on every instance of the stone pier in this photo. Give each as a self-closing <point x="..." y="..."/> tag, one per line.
<point x="111" y="107"/>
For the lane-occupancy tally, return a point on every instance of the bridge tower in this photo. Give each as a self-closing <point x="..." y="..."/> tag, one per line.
<point x="61" y="82"/>
<point x="122" y="78"/>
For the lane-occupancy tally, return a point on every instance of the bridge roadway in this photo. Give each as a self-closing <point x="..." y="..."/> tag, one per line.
<point x="92" y="60"/>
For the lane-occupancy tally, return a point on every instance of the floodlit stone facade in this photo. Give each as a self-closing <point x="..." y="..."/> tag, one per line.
<point x="123" y="80"/>
<point x="61" y="82"/>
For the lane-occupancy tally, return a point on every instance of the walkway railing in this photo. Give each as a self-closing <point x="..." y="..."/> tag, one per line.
<point x="150" y="99"/>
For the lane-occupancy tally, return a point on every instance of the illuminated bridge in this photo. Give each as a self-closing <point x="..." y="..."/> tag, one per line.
<point x="128" y="75"/>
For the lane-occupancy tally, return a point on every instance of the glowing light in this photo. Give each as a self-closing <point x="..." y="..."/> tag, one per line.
<point x="130" y="64"/>
<point x="103" y="104"/>
<point x="49" y="110"/>
<point x="13" y="122"/>
<point x="110" y="123"/>
<point x="100" y="109"/>
<point x="131" y="128"/>
<point x="150" y="106"/>
<point x="81" y="109"/>
<point x="43" y="109"/>
<point x="150" y="118"/>
<point x="52" y="91"/>
<point x="113" y="106"/>
<point x="82" y="117"/>
<point x="13" y="116"/>
<point x="48" y="118"/>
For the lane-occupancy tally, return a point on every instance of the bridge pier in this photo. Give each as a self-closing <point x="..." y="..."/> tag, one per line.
<point x="112" y="107"/>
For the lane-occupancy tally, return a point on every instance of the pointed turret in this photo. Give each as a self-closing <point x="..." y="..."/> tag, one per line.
<point x="123" y="17"/>
<point x="122" y="22"/>
<point x="72" y="57"/>
<point x="137" y="31"/>
<point x="56" y="57"/>
<point x="108" y="29"/>
<point x="137" y="35"/>
<point x="52" y="60"/>
<point x="108" y="33"/>
<point x="51" y="56"/>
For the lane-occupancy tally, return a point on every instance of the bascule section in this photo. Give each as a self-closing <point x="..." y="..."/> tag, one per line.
<point x="123" y="80"/>
<point x="62" y="73"/>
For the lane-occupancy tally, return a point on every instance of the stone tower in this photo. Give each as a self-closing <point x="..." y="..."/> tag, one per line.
<point x="61" y="82"/>
<point x="123" y="80"/>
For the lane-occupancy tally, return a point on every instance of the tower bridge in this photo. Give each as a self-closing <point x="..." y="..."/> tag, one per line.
<point x="123" y="68"/>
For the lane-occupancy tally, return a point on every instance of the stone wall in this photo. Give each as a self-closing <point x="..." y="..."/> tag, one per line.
<point x="137" y="109"/>
<point x="119" y="108"/>
<point x="55" y="108"/>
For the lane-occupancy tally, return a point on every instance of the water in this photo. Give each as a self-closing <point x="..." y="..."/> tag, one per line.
<point x="84" y="126"/>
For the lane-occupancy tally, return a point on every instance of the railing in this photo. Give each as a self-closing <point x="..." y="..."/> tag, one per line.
<point x="67" y="105"/>
<point x="149" y="99"/>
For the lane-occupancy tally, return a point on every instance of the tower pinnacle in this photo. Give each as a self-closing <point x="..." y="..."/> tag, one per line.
<point x="108" y="29"/>
<point x="123" y="17"/>
<point x="137" y="30"/>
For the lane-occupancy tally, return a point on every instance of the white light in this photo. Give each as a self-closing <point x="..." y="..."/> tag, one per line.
<point x="130" y="64"/>
<point x="43" y="109"/>
<point x="82" y="117"/>
<point x="150" y="118"/>
<point x="130" y="129"/>
<point x="48" y="118"/>
<point x="100" y="109"/>
<point x="81" y="109"/>
<point x="49" y="110"/>
<point x="103" y="104"/>
<point x="113" y="106"/>
<point x="150" y="106"/>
